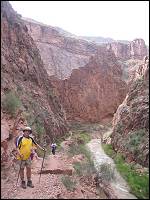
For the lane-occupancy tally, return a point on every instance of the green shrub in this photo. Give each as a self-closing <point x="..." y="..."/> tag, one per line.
<point x="76" y="149"/>
<point x="11" y="103"/>
<point x="85" y="137"/>
<point x="85" y="168"/>
<point x="138" y="182"/>
<point x="39" y="129"/>
<point x="68" y="183"/>
<point x="134" y="140"/>
<point x="136" y="137"/>
<point x="82" y="137"/>
<point x="109" y="150"/>
<point x="78" y="168"/>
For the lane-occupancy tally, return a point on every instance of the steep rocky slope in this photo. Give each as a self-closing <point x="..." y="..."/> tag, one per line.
<point x="87" y="77"/>
<point x="86" y="92"/>
<point x="25" y="81"/>
<point x="93" y="93"/>
<point x="131" y="121"/>
<point x="62" y="52"/>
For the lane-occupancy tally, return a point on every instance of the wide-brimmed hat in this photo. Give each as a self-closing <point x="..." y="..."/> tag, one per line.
<point x="27" y="129"/>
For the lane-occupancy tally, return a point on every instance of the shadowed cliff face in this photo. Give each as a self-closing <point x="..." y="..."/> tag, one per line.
<point x="131" y="121"/>
<point x="93" y="93"/>
<point x="23" y="74"/>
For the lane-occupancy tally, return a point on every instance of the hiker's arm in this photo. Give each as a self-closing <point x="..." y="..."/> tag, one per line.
<point x="37" y="145"/>
<point x="40" y="147"/>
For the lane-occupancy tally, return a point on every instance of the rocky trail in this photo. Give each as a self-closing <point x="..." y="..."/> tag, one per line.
<point x="50" y="186"/>
<point x="56" y="166"/>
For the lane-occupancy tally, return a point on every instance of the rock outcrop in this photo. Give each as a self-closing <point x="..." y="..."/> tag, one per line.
<point x="93" y="93"/>
<point x="24" y="77"/>
<point x="131" y="121"/>
<point x="136" y="49"/>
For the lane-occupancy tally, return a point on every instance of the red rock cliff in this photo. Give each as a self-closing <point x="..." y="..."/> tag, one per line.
<point x="136" y="49"/>
<point x="24" y="75"/>
<point x="60" y="54"/>
<point x="131" y="121"/>
<point x="93" y="93"/>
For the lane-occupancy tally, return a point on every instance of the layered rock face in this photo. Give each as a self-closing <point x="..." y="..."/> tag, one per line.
<point x="88" y="87"/>
<point x="60" y="54"/>
<point x="131" y="121"/>
<point x="136" y="49"/>
<point x="93" y="93"/>
<point x="24" y="75"/>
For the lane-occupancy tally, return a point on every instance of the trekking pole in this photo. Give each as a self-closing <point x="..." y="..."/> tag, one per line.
<point x="42" y="165"/>
<point x="19" y="173"/>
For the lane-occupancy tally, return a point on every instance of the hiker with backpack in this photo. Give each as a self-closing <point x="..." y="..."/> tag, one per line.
<point x="53" y="147"/>
<point x="25" y="146"/>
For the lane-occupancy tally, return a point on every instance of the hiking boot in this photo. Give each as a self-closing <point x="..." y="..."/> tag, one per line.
<point x="29" y="183"/>
<point x="23" y="184"/>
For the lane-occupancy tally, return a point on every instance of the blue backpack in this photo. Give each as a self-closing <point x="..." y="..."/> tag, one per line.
<point x="17" y="140"/>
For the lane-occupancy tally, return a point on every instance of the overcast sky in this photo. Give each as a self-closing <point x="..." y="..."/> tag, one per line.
<point x="120" y="20"/>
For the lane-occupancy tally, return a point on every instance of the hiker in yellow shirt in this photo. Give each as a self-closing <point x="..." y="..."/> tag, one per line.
<point x="25" y="146"/>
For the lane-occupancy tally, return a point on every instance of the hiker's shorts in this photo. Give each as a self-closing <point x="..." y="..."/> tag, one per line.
<point x="23" y="163"/>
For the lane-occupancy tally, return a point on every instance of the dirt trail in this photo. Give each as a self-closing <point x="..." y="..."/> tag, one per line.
<point x="50" y="185"/>
<point x="118" y="184"/>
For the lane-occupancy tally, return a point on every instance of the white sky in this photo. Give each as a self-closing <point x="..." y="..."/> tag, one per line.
<point x="120" y="20"/>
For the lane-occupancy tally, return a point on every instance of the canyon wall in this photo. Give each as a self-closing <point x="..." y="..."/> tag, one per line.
<point x="93" y="92"/>
<point x="135" y="49"/>
<point x="25" y="80"/>
<point x="131" y="121"/>
<point x="62" y="52"/>
<point x="87" y="76"/>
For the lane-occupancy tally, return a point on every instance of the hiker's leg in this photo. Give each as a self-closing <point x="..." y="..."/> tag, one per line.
<point x="28" y="166"/>
<point x="22" y="174"/>
<point x="53" y="151"/>
<point x="21" y="166"/>
<point x="28" y="173"/>
<point x="28" y="169"/>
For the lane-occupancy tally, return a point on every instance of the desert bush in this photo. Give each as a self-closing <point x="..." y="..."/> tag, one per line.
<point x="68" y="183"/>
<point x="136" y="137"/>
<point x="138" y="182"/>
<point x="76" y="149"/>
<point x="11" y="103"/>
<point x="84" y="168"/>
